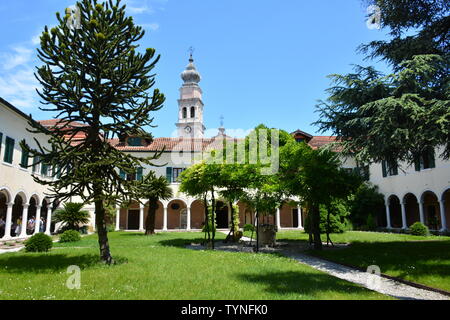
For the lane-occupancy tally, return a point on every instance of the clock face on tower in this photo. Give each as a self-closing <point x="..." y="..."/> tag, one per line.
<point x="188" y="129"/>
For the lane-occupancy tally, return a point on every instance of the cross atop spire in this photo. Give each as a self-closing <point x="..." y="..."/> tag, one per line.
<point x="191" y="50"/>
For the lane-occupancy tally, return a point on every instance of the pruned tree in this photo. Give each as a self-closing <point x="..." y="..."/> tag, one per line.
<point x="97" y="83"/>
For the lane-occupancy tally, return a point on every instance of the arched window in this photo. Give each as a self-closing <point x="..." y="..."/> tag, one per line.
<point x="192" y="112"/>
<point x="184" y="113"/>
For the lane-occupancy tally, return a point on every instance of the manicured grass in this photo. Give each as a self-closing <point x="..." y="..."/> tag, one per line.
<point x="159" y="267"/>
<point x="424" y="260"/>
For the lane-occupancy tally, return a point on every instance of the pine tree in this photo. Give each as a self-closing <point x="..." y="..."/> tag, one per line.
<point x="400" y="116"/>
<point x="97" y="83"/>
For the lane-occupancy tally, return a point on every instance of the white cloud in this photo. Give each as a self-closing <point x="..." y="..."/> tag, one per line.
<point x="151" y="26"/>
<point x="20" y="56"/>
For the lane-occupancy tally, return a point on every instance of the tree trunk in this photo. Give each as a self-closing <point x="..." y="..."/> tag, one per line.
<point x="151" y="217"/>
<point x="328" y="227"/>
<point x="231" y="234"/>
<point x="213" y="218"/>
<point x="315" y="225"/>
<point x="257" y="231"/>
<point x="205" y="201"/>
<point x="105" y="254"/>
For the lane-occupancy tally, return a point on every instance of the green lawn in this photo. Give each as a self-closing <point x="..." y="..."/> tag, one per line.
<point x="424" y="260"/>
<point x="160" y="268"/>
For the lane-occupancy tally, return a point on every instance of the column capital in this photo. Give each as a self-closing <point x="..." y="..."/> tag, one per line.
<point x="26" y="206"/>
<point x="10" y="204"/>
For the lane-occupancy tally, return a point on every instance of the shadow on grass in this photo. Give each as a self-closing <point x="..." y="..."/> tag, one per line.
<point x="50" y="263"/>
<point x="181" y="242"/>
<point x="304" y="283"/>
<point x="403" y="259"/>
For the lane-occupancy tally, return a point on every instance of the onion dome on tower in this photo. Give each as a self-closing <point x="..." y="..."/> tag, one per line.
<point x="191" y="75"/>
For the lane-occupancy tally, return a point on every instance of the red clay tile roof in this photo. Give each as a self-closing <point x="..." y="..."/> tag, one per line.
<point x="173" y="144"/>
<point x="180" y="144"/>
<point x="54" y="122"/>
<point x="320" y="141"/>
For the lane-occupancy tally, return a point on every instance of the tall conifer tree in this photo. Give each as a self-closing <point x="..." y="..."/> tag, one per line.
<point x="98" y="84"/>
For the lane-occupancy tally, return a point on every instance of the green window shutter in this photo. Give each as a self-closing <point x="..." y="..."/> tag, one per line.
<point x="44" y="169"/>
<point x="139" y="173"/>
<point x="122" y="174"/>
<point x="1" y="142"/>
<point x="394" y="169"/>
<point x="9" y="150"/>
<point x="35" y="164"/>
<point x="58" y="172"/>
<point x="169" y="172"/>
<point x="432" y="159"/>
<point x="417" y="163"/>
<point x="24" y="160"/>
<point x="383" y="166"/>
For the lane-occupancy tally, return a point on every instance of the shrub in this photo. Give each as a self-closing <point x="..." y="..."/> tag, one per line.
<point x="366" y="202"/>
<point x="249" y="227"/>
<point x="70" y="236"/>
<point x="338" y="219"/>
<point x="38" y="243"/>
<point x="419" y="229"/>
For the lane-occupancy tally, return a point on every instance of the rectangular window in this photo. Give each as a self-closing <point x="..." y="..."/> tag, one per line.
<point x="169" y="172"/>
<point x="24" y="159"/>
<point x="35" y="164"/>
<point x="390" y="168"/>
<point x="9" y="150"/>
<point x="176" y="174"/>
<point x="44" y="169"/>
<point x="425" y="161"/>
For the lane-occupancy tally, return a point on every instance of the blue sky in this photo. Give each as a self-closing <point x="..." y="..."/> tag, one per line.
<point x="262" y="61"/>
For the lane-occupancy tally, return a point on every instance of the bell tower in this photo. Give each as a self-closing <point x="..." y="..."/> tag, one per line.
<point x="190" y="104"/>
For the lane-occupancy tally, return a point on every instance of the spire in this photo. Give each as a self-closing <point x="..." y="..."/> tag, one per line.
<point x="222" y="128"/>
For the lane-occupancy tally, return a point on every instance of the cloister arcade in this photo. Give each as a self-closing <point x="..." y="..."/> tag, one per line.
<point x="22" y="215"/>
<point x="429" y="207"/>
<point x="189" y="214"/>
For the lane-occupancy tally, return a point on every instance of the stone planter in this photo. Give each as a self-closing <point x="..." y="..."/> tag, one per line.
<point x="267" y="235"/>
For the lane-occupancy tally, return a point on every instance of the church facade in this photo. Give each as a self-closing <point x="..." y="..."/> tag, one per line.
<point x="420" y="193"/>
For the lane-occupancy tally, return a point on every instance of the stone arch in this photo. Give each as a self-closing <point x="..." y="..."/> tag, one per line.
<point x="445" y="197"/>
<point x="17" y="212"/>
<point x="5" y="197"/>
<point x="431" y="209"/>
<point x="222" y="214"/>
<point x="246" y="214"/>
<point x="395" y="210"/>
<point x="288" y="214"/>
<point x="159" y="214"/>
<point x="412" y="209"/>
<point x="197" y="214"/>
<point x="7" y="193"/>
<point x="176" y="214"/>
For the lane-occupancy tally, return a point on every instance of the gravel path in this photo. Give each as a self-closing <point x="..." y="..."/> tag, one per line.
<point x="371" y="281"/>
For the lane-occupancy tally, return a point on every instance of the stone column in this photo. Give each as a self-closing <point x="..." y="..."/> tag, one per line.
<point x="141" y="218"/>
<point x="388" y="215"/>
<point x="188" y="213"/>
<point x="278" y="219"/>
<point x="49" y="221"/>
<point x="443" y="218"/>
<point x="404" y="222"/>
<point x="8" y="223"/>
<point x="37" y="222"/>
<point x="300" y="224"/>
<point x="421" y="213"/>
<point x="118" y="219"/>
<point x="23" y="229"/>
<point x="165" y="219"/>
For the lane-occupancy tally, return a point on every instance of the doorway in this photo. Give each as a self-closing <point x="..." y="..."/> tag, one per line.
<point x="133" y="220"/>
